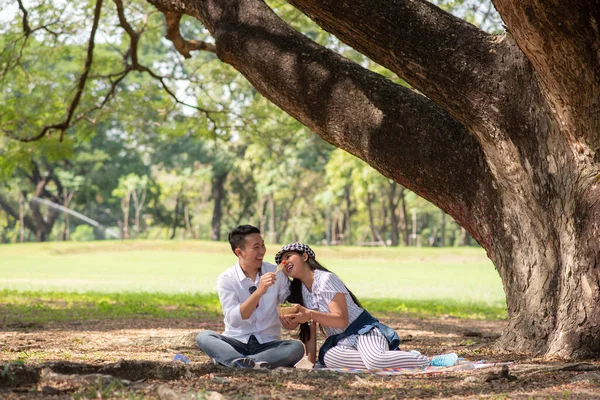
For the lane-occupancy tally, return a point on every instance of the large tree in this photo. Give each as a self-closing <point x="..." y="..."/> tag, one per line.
<point x="500" y="131"/>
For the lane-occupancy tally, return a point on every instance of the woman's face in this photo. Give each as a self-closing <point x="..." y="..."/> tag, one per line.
<point x="295" y="263"/>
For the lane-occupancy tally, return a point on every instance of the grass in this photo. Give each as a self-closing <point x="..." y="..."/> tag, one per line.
<point x="20" y="308"/>
<point x="58" y="281"/>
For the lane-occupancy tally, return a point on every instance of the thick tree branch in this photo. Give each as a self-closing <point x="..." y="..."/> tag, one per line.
<point x="405" y="135"/>
<point x="562" y="41"/>
<point x="449" y="60"/>
<point x="184" y="46"/>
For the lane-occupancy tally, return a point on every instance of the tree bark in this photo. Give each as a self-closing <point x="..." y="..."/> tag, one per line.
<point x="502" y="132"/>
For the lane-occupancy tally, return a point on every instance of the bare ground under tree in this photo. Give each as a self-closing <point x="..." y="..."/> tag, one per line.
<point x="133" y="358"/>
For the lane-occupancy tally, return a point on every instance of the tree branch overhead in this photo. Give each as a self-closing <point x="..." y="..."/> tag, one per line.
<point x="184" y="47"/>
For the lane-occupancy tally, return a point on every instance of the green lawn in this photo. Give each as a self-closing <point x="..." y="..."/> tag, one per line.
<point x="390" y="279"/>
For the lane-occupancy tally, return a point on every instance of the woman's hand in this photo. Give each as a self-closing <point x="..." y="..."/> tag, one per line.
<point x="287" y="323"/>
<point x="303" y="315"/>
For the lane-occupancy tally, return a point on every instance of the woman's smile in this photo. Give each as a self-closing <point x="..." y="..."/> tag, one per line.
<point x="289" y="267"/>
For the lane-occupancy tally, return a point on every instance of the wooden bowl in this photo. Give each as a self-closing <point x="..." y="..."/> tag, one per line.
<point x="284" y="310"/>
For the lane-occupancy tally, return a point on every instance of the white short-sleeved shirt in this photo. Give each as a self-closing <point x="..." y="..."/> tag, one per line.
<point x="325" y="286"/>
<point x="233" y="287"/>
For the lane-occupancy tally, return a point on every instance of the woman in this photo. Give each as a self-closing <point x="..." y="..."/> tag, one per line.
<point x="355" y="339"/>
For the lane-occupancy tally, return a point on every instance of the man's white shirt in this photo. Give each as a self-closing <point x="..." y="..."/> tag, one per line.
<point x="233" y="287"/>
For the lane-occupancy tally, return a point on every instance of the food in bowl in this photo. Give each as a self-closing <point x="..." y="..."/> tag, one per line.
<point x="288" y="308"/>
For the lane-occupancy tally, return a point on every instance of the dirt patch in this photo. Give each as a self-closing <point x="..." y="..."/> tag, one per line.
<point x="134" y="358"/>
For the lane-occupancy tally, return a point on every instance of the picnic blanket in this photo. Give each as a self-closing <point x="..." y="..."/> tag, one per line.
<point x="462" y="365"/>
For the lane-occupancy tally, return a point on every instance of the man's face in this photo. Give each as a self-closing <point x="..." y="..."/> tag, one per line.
<point x="251" y="256"/>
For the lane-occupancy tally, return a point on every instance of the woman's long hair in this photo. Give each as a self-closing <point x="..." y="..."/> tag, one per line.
<point x="296" y="297"/>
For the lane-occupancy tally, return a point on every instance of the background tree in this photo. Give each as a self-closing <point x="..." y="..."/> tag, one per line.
<point x="71" y="183"/>
<point x="131" y="187"/>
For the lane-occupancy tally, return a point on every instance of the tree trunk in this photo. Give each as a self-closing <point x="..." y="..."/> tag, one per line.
<point x="67" y="197"/>
<point x="262" y="216"/>
<point x="188" y="222"/>
<point x="176" y="216"/>
<point x="66" y="231"/>
<point x="374" y="232"/>
<point x="24" y="220"/>
<point x="218" y="194"/>
<point x="272" y="219"/>
<point x="138" y="205"/>
<point x="284" y="218"/>
<point x="433" y="236"/>
<point x="465" y="238"/>
<point x="125" y="203"/>
<point x="42" y="225"/>
<point x="348" y="216"/>
<point x="414" y="235"/>
<point x="393" y="207"/>
<point x="21" y="218"/>
<point x="442" y="228"/>
<point x="497" y="130"/>
<point x="404" y="218"/>
<point x="328" y="226"/>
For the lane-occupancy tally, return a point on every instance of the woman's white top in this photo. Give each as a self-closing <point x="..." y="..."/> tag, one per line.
<point x="325" y="286"/>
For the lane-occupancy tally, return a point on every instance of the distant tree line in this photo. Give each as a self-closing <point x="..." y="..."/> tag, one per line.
<point x="198" y="188"/>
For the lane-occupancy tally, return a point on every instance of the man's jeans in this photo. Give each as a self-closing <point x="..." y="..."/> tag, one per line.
<point x="278" y="353"/>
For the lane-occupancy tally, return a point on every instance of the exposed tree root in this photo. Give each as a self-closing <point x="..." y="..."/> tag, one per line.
<point x="124" y="371"/>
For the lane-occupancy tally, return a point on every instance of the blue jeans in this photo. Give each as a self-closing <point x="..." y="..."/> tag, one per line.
<point x="278" y="353"/>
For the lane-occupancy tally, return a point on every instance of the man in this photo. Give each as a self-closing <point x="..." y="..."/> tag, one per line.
<point x="250" y="292"/>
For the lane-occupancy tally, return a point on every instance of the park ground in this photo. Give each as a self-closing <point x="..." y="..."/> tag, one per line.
<point x="64" y="344"/>
<point x="140" y="352"/>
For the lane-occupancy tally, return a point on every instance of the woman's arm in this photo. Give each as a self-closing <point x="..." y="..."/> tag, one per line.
<point x="337" y="317"/>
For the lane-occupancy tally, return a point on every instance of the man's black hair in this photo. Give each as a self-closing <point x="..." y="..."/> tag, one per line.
<point x="237" y="237"/>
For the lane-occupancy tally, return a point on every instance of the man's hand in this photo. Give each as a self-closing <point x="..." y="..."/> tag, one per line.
<point x="266" y="281"/>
